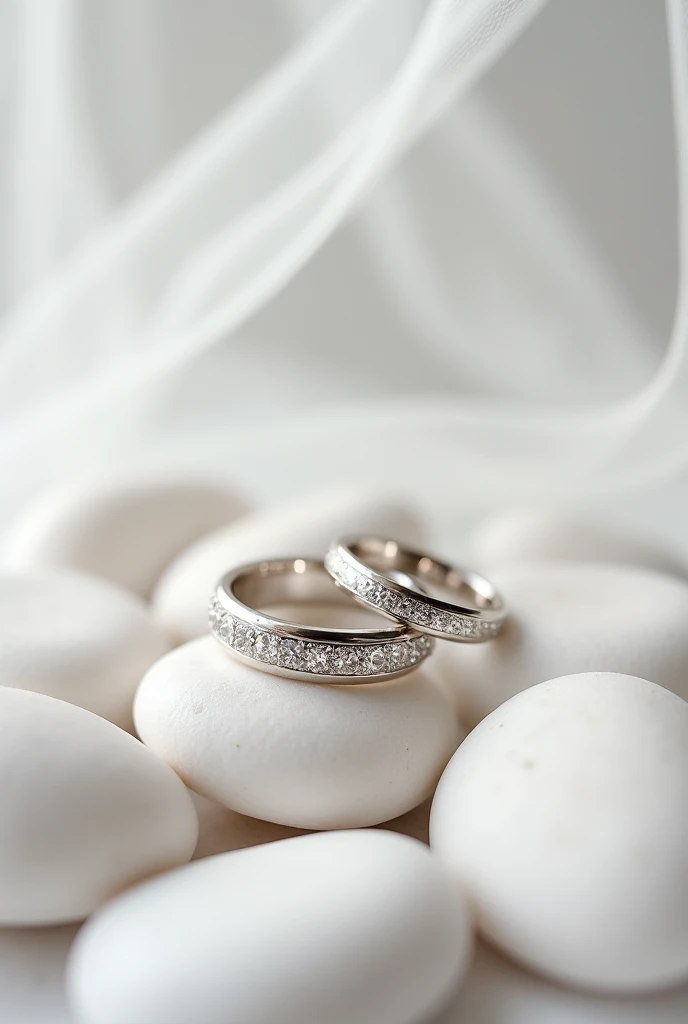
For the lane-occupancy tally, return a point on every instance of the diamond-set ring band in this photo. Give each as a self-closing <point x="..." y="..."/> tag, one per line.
<point x="424" y="597"/>
<point x="316" y="653"/>
<point x="372" y="570"/>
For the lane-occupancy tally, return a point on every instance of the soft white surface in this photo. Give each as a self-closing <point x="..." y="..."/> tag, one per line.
<point x="221" y="830"/>
<point x="361" y="926"/>
<point x="85" y="811"/>
<point x="571" y="617"/>
<point x="78" y="638"/>
<point x="565" y="817"/>
<point x="534" y="536"/>
<point x="32" y="962"/>
<point x="498" y="992"/>
<point x="298" y="753"/>
<point x="126" y="530"/>
<point x="304" y="528"/>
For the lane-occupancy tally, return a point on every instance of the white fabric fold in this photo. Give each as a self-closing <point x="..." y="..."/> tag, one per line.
<point x="225" y="298"/>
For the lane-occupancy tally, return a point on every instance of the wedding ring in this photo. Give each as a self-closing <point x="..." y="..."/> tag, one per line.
<point x="285" y="648"/>
<point x="373" y="571"/>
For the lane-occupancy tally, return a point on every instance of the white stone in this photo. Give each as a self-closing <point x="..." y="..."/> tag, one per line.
<point x="124" y="529"/>
<point x="343" y="927"/>
<point x="540" y="536"/>
<point x="566" y="618"/>
<point x="305" y="754"/>
<point x="77" y="638"/>
<point x="498" y="992"/>
<point x="32" y="962"/>
<point x="564" y="815"/>
<point x="303" y="529"/>
<point x="85" y="811"/>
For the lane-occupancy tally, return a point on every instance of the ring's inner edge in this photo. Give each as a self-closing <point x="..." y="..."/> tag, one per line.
<point x="283" y="582"/>
<point x="300" y="581"/>
<point x="385" y="556"/>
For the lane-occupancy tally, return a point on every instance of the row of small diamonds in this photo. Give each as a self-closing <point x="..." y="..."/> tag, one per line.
<point x="304" y="656"/>
<point x="416" y="612"/>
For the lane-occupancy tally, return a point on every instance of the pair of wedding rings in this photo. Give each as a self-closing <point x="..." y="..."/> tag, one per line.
<point x="383" y="575"/>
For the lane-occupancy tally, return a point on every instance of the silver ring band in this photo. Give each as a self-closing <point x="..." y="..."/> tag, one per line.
<point x="371" y="570"/>
<point x="286" y="648"/>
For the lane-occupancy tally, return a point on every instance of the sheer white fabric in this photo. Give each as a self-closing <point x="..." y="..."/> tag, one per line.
<point x="301" y="241"/>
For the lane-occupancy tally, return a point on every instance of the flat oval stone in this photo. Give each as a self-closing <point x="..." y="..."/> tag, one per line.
<point x="302" y="754"/>
<point x="571" y="617"/>
<point x="341" y="927"/>
<point x="564" y="815"/>
<point x="85" y="811"/>
<point x="124" y="529"/>
<point x="539" y="536"/>
<point x="78" y="638"/>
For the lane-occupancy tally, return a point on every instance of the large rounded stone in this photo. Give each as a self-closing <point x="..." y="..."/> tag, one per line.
<point x="564" y="816"/>
<point x="85" y="811"/>
<point x="78" y="638"/>
<point x="565" y="618"/>
<point x="302" y="754"/>
<point x="124" y="529"/>
<point x="344" y="927"/>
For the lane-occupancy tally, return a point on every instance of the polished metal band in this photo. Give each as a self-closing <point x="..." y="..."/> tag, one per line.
<point x="286" y="648"/>
<point x="375" y="571"/>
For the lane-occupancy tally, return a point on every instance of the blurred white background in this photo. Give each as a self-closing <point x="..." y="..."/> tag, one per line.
<point x="431" y="246"/>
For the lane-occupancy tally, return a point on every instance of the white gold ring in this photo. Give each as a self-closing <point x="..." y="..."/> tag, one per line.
<point x="373" y="571"/>
<point x="319" y="653"/>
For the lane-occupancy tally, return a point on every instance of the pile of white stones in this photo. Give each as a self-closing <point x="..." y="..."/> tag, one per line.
<point x="346" y="846"/>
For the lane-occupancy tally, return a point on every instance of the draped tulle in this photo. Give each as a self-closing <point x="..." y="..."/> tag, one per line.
<point x="337" y="259"/>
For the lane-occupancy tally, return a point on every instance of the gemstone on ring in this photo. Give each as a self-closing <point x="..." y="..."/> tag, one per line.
<point x="287" y="648"/>
<point x="361" y="567"/>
